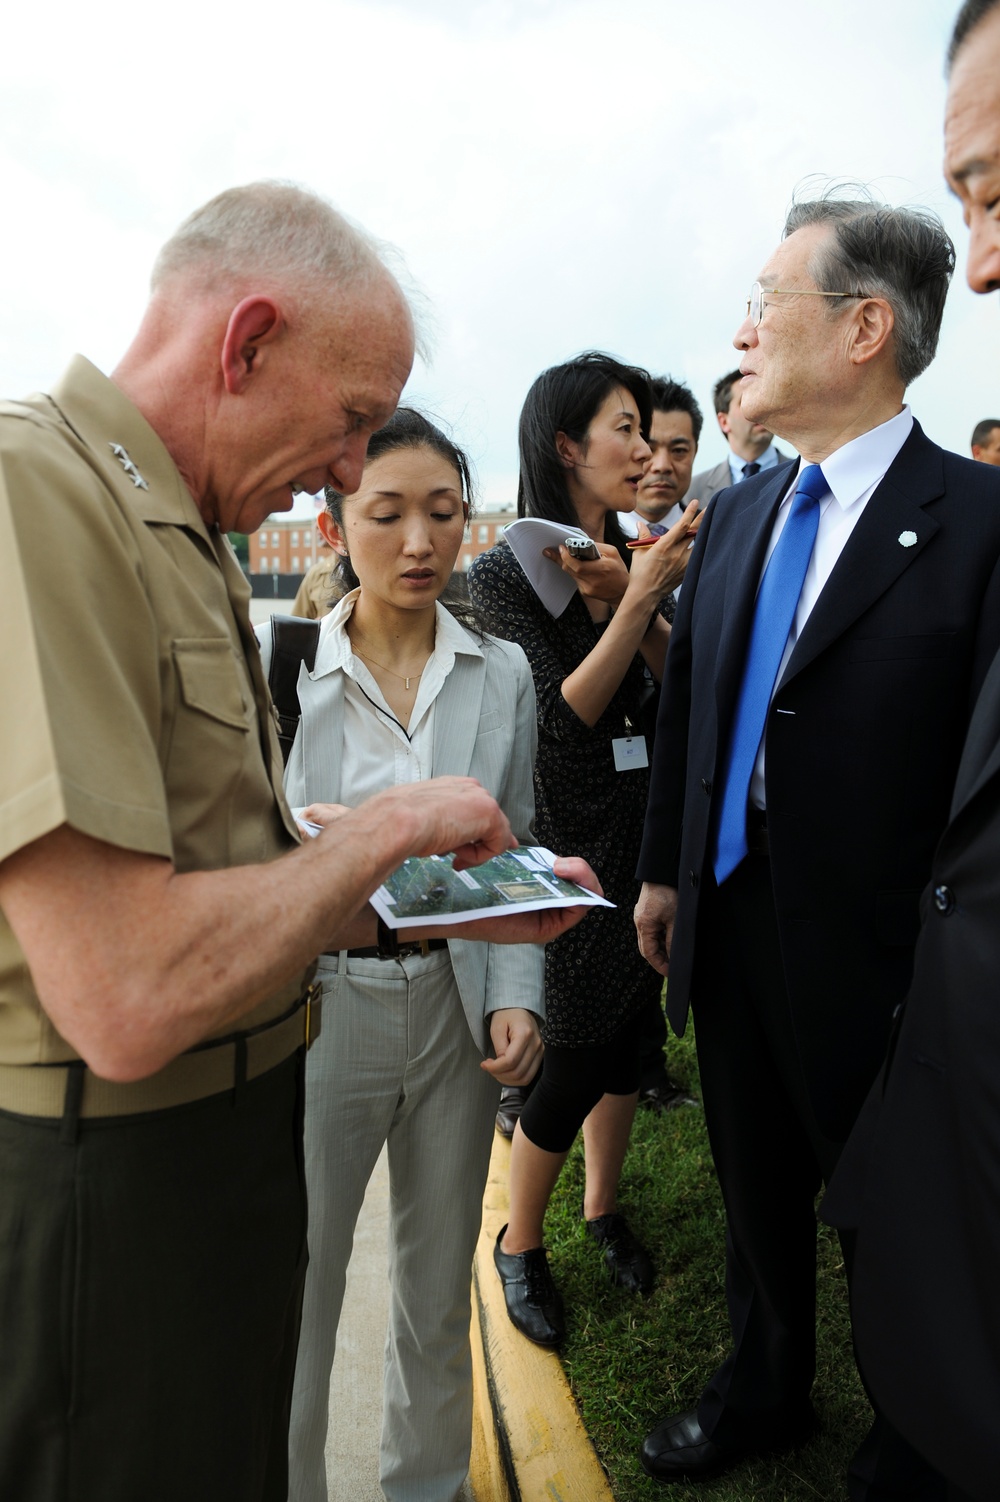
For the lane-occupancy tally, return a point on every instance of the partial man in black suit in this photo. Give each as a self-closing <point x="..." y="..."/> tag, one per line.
<point x="920" y="1177"/>
<point x="794" y="811"/>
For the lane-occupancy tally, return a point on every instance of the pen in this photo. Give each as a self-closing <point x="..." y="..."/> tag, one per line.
<point x="641" y="542"/>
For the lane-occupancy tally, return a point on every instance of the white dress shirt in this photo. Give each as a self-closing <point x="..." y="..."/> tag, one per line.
<point x="853" y="474"/>
<point x="373" y="737"/>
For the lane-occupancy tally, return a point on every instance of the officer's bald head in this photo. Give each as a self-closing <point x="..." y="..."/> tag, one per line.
<point x="268" y="232"/>
<point x="275" y="341"/>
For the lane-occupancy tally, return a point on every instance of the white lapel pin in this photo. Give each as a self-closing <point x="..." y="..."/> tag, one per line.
<point x="126" y="463"/>
<point x="907" y="539"/>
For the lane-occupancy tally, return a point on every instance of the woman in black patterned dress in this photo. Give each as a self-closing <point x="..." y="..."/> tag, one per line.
<point x="583" y="450"/>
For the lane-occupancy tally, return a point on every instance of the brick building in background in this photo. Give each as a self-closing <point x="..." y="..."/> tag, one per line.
<point x="284" y="545"/>
<point x="288" y="546"/>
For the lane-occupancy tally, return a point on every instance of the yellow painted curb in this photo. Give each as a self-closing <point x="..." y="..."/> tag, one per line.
<point x="529" y="1443"/>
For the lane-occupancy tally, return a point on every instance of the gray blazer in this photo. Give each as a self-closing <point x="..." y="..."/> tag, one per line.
<point x="705" y="484"/>
<point x="484" y="727"/>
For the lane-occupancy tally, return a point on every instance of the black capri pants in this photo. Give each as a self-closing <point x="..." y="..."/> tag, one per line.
<point x="572" y="1081"/>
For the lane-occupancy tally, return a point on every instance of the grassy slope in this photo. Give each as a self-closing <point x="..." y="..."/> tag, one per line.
<point x="630" y="1360"/>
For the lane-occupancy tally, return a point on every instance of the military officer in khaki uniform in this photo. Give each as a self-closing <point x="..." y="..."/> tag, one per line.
<point x="157" y="915"/>
<point x="318" y="592"/>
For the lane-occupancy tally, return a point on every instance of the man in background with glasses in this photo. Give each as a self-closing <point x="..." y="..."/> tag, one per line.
<point x="838" y="619"/>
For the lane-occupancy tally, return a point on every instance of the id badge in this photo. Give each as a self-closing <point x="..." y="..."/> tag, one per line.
<point x="630" y="753"/>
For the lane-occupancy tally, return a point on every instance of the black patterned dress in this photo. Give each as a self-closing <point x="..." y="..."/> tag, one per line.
<point x="595" y="977"/>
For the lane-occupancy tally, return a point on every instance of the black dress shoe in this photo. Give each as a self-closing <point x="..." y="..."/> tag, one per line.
<point x="666" y="1095"/>
<point x="678" y="1449"/>
<point x="628" y="1260"/>
<point x="533" y="1301"/>
<point x="512" y="1099"/>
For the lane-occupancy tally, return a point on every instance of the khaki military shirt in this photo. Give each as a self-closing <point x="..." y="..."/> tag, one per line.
<point x="318" y="592"/>
<point x="134" y="705"/>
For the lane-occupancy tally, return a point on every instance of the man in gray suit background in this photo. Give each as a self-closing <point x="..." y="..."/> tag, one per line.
<point x="751" y="445"/>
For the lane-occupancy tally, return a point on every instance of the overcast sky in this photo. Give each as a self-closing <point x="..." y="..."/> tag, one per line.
<point x="558" y="174"/>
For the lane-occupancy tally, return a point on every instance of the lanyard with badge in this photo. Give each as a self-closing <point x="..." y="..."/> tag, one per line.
<point x="629" y="750"/>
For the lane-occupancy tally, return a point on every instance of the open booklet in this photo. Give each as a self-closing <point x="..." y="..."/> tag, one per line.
<point x="428" y="890"/>
<point x="527" y="537"/>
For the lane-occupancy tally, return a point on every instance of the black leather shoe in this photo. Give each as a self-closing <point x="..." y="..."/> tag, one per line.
<point x="628" y="1260"/>
<point x="533" y="1301"/>
<point x="666" y="1095"/>
<point x="512" y="1099"/>
<point x="678" y="1449"/>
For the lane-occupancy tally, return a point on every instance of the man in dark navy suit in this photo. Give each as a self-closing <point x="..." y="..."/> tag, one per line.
<point x="919" y="1180"/>
<point x="838" y="618"/>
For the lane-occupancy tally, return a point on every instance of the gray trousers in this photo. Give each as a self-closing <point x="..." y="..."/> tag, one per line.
<point x="395" y="1063"/>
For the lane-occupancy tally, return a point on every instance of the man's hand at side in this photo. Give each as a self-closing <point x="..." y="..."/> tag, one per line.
<point x="654" y="924"/>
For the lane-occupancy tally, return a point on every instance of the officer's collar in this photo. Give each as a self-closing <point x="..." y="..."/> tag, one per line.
<point x="130" y="454"/>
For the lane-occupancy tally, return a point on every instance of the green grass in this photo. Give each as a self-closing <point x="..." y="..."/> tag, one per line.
<point x="631" y="1360"/>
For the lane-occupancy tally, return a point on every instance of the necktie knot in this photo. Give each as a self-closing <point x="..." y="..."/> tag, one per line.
<point x="812" y="483"/>
<point x="750" y="469"/>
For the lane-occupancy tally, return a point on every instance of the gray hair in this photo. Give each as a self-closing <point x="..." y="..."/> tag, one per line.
<point x="902" y="255"/>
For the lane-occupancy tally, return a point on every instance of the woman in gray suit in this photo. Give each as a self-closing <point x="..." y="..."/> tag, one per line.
<point x="413" y="1049"/>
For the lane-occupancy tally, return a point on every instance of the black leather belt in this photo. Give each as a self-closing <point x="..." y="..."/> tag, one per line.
<point x="419" y="946"/>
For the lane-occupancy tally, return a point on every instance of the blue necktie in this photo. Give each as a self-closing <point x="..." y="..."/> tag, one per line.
<point x="774" y="613"/>
<point x="751" y="469"/>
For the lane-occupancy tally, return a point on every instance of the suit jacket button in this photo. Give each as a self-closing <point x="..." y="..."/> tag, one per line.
<point x="944" y="900"/>
<point x="694" y="878"/>
<point x="706" y="786"/>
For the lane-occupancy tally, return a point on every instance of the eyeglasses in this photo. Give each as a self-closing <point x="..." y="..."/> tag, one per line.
<point x="755" y="302"/>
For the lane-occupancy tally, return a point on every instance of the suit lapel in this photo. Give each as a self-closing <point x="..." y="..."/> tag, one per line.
<point x="322" y="731"/>
<point x="981" y="755"/>
<point x="456" y="716"/>
<point x="751" y="533"/>
<point x="874" y="557"/>
<point x="720" y="477"/>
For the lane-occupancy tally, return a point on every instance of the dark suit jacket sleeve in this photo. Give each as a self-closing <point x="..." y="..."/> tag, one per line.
<point x="987" y="637"/>
<point x="659" y="857"/>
